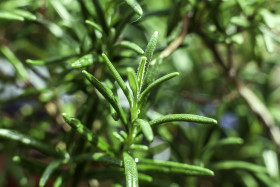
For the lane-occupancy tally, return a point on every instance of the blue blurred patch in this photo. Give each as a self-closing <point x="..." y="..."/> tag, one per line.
<point x="228" y="121"/>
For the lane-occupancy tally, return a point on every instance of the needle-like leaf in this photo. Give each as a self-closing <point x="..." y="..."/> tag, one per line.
<point x="118" y="137"/>
<point x="118" y="78"/>
<point x="130" y="45"/>
<point x="234" y="164"/>
<point x="154" y="84"/>
<point x="170" y="167"/>
<point x="30" y="164"/>
<point x="135" y="6"/>
<point x="107" y="93"/>
<point x="146" y="129"/>
<point x="183" y="117"/>
<point x="25" y="14"/>
<point x="132" y="80"/>
<point x="51" y="60"/>
<point x="223" y="142"/>
<point x="150" y="49"/>
<point x="100" y="157"/>
<point x="48" y="172"/>
<point x="153" y="71"/>
<point x="20" y="69"/>
<point x="94" y="25"/>
<point x="10" y="16"/>
<point x="141" y="72"/>
<point x="84" y="61"/>
<point x="139" y="147"/>
<point x="131" y="173"/>
<point x="86" y="133"/>
<point x="23" y="139"/>
<point x="101" y="16"/>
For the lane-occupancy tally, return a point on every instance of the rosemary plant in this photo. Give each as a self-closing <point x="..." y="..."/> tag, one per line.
<point x="91" y="95"/>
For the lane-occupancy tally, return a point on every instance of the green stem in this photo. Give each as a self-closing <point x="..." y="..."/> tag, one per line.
<point x="134" y="111"/>
<point x="132" y="132"/>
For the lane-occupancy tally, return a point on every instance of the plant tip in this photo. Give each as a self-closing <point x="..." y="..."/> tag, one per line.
<point x="16" y="159"/>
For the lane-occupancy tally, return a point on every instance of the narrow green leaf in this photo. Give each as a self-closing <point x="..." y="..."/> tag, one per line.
<point x="58" y="182"/>
<point x="25" y="140"/>
<point x="50" y="60"/>
<point x="228" y="141"/>
<point x="36" y="62"/>
<point x="172" y="167"/>
<point x="150" y="49"/>
<point x="118" y="78"/>
<point x="126" y="17"/>
<point x="10" y="16"/>
<point x="146" y="129"/>
<point x="268" y="43"/>
<point x="267" y="180"/>
<point x="86" y="133"/>
<point x="114" y="114"/>
<point x="158" y="148"/>
<point x="130" y="45"/>
<point x="101" y="16"/>
<point x="61" y="180"/>
<point x="240" y="21"/>
<point x="83" y="61"/>
<point x="107" y="93"/>
<point x="131" y="174"/>
<point x="110" y="86"/>
<point x="135" y="6"/>
<point x="141" y="72"/>
<point x="230" y="165"/>
<point x="25" y="14"/>
<point x="94" y="25"/>
<point x="56" y="30"/>
<point x="154" y="84"/>
<point x="118" y="137"/>
<point x="174" y="170"/>
<point x="143" y="177"/>
<point x="209" y="148"/>
<point x="174" y="16"/>
<point x="153" y="71"/>
<point x="104" y="173"/>
<point x="132" y="80"/>
<point x="139" y="147"/>
<point x="124" y="134"/>
<point x="61" y="10"/>
<point x="30" y="164"/>
<point x="48" y="172"/>
<point x="138" y="138"/>
<point x="183" y="117"/>
<point x="99" y="157"/>
<point x="21" y="71"/>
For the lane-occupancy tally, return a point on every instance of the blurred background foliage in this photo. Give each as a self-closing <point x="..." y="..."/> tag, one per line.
<point x="227" y="53"/>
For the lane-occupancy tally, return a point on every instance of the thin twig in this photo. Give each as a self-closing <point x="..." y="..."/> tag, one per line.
<point x="177" y="42"/>
<point x="254" y="103"/>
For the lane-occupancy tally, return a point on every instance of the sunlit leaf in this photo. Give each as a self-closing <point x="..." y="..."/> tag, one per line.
<point x="131" y="173"/>
<point x="48" y="172"/>
<point x="183" y="117"/>
<point x="146" y="129"/>
<point x="25" y="140"/>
